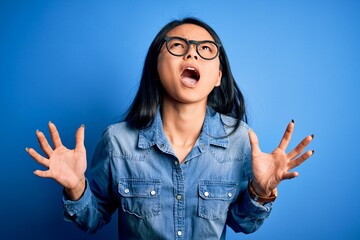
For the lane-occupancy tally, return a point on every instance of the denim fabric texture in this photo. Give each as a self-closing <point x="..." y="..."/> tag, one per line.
<point x="137" y="172"/>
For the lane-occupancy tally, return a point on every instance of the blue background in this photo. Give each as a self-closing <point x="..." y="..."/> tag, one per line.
<point x="75" y="62"/>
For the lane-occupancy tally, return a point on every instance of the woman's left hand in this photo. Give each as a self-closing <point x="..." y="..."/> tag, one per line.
<point x="270" y="169"/>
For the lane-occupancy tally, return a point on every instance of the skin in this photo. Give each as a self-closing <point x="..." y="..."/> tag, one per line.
<point x="269" y="169"/>
<point x="183" y="114"/>
<point x="65" y="166"/>
<point x="184" y="107"/>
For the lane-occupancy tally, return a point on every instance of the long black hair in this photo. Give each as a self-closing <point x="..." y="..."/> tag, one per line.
<point x="226" y="98"/>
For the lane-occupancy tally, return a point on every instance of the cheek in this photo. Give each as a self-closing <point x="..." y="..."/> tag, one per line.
<point x="213" y="73"/>
<point x="161" y="69"/>
<point x="159" y="63"/>
<point x="164" y="67"/>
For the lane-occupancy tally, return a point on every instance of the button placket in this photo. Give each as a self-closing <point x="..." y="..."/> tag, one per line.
<point x="179" y="204"/>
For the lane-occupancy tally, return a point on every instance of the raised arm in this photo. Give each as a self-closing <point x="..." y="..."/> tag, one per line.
<point x="65" y="166"/>
<point x="270" y="169"/>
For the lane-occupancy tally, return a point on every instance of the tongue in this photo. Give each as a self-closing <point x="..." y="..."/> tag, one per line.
<point x="189" y="82"/>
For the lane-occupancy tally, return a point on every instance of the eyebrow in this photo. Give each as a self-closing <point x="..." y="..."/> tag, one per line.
<point x="191" y="39"/>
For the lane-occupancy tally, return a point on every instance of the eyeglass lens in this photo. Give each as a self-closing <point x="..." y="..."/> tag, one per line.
<point x="179" y="47"/>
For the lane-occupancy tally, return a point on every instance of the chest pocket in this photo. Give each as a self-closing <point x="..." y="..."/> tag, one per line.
<point x="215" y="198"/>
<point x="140" y="197"/>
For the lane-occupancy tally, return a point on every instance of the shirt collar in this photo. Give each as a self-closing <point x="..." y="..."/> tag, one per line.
<point x="212" y="133"/>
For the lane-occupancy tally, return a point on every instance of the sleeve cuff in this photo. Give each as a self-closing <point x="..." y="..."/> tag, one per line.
<point x="73" y="207"/>
<point x="254" y="209"/>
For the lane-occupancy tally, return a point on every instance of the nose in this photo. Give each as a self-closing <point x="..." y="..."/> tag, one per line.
<point x="192" y="52"/>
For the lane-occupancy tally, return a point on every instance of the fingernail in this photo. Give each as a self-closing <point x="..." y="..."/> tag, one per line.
<point x="312" y="135"/>
<point x="313" y="151"/>
<point x="292" y="120"/>
<point x="27" y="149"/>
<point x="50" y="122"/>
<point x="82" y="125"/>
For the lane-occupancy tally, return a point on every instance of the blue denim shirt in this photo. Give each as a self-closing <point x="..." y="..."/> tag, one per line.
<point x="137" y="172"/>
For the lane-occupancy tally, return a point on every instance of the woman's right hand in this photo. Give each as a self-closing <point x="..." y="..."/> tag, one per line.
<point x="65" y="166"/>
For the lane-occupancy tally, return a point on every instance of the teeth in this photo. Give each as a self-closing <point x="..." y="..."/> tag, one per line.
<point x="190" y="68"/>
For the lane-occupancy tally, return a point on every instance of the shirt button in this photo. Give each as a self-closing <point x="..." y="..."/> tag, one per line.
<point x="126" y="190"/>
<point x="179" y="233"/>
<point x="229" y="195"/>
<point x="153" y="192"/>
<point x="176" y="162"/>
<point x="178" y="197"/>
<point x="206" y="194"/>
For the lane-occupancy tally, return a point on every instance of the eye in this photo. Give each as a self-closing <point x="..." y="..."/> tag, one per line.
<point x="176" y="43"/>
<point x="206" y="48"/>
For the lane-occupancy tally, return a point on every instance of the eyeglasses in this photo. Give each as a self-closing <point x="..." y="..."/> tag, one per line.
<point x="179" y="46"/>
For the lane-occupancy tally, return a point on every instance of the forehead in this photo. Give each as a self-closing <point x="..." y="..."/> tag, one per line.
<point x="190" y="32"/>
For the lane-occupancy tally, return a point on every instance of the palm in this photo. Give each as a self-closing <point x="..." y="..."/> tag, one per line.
<point x="270" y="169"/>
<point x="65" y="166"/>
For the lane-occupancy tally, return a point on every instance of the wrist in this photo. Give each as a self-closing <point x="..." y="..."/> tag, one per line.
<point x="76" y="193"/>
<point x="261" y="198"/>
<point x="259" y="190"/>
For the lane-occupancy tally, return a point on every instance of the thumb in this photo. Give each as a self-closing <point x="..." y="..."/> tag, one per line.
<point x="254" y="142"/>
<point x="43" y="174"/>
<point x="79" y="138"/>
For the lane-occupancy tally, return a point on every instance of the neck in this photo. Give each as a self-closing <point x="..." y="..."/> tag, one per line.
<point x="182" y="123"/>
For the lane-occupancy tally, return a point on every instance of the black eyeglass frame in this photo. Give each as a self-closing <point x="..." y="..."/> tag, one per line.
<point x="196" y="43"/>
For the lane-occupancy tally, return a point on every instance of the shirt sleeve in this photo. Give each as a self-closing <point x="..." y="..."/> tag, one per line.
<point x="97" y="204"/>
<point x="74" y="207"/>
<point x="248" y="215"/>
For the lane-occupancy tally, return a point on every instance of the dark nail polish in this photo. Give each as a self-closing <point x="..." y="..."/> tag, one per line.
<point x="313" y="151"/>
<point x="312" y="135"/>
<point x="292" y="120"/>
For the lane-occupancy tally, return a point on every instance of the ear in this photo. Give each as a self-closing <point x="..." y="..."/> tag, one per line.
<point x="218" y="82"/>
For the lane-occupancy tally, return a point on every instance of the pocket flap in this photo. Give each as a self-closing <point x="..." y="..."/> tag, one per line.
<point x="221" y="190"/>
<point x="139" y="187"/>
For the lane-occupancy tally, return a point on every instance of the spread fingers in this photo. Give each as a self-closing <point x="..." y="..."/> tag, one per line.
<point x="54" y="135"/>
<point x="296" y="162"/>
<point x="287" y="136"/>
<point x="300" y="147"/>
<point x="44" y="144"/>
<point x="37" y="157"/>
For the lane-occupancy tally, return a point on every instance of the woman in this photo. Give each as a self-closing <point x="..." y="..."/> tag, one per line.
<point x="184" y="163"/>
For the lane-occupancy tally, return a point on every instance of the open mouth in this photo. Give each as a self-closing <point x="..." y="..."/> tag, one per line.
<point x="190" y="76"/>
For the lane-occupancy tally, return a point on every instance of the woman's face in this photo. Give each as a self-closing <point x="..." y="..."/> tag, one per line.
<point x="189" y="78"/>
